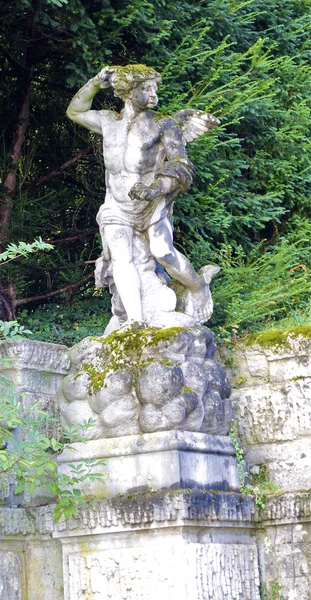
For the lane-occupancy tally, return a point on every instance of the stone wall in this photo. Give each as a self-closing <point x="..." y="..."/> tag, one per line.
<point x="271" y="378"/>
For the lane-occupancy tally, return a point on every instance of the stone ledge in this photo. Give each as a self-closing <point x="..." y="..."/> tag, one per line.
<point x="156" y="508"/>
<point x="166" y="460"/>
<point x="39" y="356"/>
<point x="136" y="511"/>
<point x="288" y="507"/>
<point x="151" y="442"/>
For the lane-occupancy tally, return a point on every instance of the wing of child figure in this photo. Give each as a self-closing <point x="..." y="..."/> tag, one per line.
<point x="194" y="123"/>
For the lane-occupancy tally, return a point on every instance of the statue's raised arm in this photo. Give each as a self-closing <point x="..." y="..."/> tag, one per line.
<point x="147" y="167"/>
<point x="79" y="107"/>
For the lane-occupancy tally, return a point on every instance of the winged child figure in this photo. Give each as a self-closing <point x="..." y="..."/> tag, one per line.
<point x="147" y="167"/>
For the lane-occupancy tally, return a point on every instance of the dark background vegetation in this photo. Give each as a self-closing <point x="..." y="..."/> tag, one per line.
<point x="248" y="210"/>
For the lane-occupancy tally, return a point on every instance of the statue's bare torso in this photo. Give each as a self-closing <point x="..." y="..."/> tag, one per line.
<point x="132" y="154"/>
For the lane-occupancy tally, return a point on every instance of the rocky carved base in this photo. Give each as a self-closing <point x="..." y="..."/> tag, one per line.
<point x="143" y="380"/>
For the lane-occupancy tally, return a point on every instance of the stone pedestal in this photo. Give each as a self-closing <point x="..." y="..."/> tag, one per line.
<point x="165" y="460"/>
<point x="174" y="545"/>
<point x="198" y="544"/>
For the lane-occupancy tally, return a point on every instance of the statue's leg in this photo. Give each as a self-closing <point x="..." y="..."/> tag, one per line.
<point x="120" y="241"/>
<point x="197" y="300"/>
<point x="175" y="263"/>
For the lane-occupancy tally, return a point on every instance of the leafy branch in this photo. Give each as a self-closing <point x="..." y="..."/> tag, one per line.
<point x="14" y="251"/>
<point x="28" y="453"/>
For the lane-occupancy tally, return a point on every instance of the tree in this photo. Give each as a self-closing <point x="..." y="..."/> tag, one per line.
<point x="248" y="62"/>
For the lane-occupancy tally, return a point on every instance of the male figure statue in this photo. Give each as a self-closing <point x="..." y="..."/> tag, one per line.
<point x="146" y="168"/>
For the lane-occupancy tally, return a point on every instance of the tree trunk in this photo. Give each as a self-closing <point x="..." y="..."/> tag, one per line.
<point x="9" y="180"/>
<point x="9" y="186"/>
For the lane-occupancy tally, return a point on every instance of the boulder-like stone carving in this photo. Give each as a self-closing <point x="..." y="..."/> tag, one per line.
<point x="144" y="380"/>
<point x="147" y="167"/>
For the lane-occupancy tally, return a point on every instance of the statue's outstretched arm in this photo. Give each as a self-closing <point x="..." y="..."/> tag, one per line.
<point x="175" y="175"/>
<point x="79" y="107"/>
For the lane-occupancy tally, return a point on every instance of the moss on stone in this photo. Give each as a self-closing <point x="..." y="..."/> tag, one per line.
<point x="97" y="378"/>
<point x="187" y="390"/>
<point x="123" y="350"/>
<point x="239" y="380"/>
<point x="132" y="69"/>
<point x="178" y="288"/>
<point x="167" y="363"/>
<point x="277" y="337"/>
<point x="125" y="77"/>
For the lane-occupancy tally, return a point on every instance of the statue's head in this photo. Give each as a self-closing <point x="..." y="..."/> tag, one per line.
<point x="125" y="79"/>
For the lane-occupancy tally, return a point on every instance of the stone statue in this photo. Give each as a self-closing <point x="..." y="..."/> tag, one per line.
<point x="146" y="168"/>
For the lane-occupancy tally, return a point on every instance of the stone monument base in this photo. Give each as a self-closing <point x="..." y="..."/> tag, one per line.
<point x="174" y="546"/>
<point x="157" y="461"/>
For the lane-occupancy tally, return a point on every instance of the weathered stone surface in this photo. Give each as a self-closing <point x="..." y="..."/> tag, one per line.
<point x="129" y="387"/>
<point x="272" y="398"/>
<point x="201" y="536"/>
<point x="288" y="562"/>
<point x="10" y="576"/>
<point x="159" y="383"/>
<point x="174" y="569"/>
<point x="36" y="370"/>
<point x="146" y="560"/>
<point x="156" y="542"/>
<point x="208" y="533"/>
<point x="113" y="514"/>
<point x="30" y="354"/>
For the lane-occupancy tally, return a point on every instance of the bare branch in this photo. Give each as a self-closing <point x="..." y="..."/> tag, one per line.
<point x="72" y="238"/>
<point x="66" y="288"/>
<point x="59" y="170"/>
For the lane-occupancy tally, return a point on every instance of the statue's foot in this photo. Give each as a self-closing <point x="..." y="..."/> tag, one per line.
<point x="198" y="303"/>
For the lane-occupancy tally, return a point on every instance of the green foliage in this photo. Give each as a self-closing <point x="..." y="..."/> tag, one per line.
<point x="254" y="484"/>
<point x="14" y="251"/>
<point x="273" y="593"/>
<point x="268" y="289"/>
<point x="68" y="323"/>
<point x="28" y="453"/>
<point x="12" y="329"/>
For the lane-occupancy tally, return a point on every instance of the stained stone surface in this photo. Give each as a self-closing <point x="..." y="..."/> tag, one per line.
<point x="285" y="543"/>
<point x="174" y="383"/>
<point x="219" y="543"/>
<point x="182" y="545"/>
<point x="215" y="542"/>
<point x="156" y="461"/>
